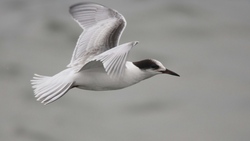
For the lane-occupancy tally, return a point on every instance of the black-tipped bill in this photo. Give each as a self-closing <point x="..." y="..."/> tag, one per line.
<point x="170" y="72"/>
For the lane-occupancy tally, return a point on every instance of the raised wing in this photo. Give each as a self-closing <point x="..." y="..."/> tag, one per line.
<point x="102" y="30"/>
<point x="113" y="60"/>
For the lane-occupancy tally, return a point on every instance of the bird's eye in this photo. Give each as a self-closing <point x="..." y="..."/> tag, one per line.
<point x="155" y="67"/>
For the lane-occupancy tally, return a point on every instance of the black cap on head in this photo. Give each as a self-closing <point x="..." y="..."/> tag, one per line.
<point x="146" y="64"/>
<point x="151" y="64"/>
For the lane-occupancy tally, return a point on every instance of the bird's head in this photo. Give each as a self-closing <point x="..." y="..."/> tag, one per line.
<point x="153" y="67"/>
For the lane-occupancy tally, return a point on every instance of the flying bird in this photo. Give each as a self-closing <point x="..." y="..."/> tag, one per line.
<point x="98" y="62"/>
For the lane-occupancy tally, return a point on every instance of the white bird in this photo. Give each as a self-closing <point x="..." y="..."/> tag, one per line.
<point x="98" y="62"/>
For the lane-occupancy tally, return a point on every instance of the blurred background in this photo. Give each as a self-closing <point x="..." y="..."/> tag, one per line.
<point x="206" y="42"/>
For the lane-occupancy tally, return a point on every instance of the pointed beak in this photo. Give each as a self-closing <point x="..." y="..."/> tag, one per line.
<point x="170" y="72"/>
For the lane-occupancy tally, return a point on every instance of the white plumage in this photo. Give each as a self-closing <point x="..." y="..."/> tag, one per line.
<point x="98" y="61"/>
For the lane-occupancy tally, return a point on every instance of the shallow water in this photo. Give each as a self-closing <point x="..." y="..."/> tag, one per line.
<point x="206" y="42"/>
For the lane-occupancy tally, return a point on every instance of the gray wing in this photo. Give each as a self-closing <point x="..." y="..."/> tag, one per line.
<point x="112" y="60"/>
<point x="102" y="30"/>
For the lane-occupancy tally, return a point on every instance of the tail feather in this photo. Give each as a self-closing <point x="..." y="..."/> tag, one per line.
<point x="57" y="95"/>
<point x="48" y="89"/>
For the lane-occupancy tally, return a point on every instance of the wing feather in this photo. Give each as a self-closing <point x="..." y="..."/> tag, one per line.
<point x="113" y="60"/>
<point x="102" y="30"/>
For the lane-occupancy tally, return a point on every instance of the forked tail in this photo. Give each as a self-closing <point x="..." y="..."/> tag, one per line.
<point x="48" y="89"/>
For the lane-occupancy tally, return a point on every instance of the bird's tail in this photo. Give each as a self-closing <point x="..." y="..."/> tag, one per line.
<point x="48" y="89"/>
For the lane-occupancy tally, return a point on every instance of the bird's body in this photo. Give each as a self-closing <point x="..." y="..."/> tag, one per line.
<point x="98" y="61"/>
<point x="91" y="79"/>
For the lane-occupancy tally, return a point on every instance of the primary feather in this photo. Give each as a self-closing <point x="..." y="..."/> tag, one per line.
<point x="102" y="28"/>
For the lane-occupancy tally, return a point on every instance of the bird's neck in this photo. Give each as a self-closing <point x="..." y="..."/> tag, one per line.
<point x="135" y="74"/>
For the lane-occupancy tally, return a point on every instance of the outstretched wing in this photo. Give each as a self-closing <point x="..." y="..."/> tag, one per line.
<point x="102" y="30"/>
<point x="113" y="60"/>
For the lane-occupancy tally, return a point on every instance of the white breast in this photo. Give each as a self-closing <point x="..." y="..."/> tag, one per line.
<point x="97" y="79"/>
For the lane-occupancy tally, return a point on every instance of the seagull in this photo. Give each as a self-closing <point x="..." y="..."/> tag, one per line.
<point x="99" y="62"/>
